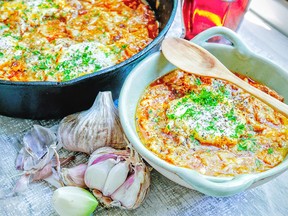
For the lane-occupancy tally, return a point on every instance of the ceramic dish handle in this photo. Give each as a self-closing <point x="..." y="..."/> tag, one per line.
<point x="230" y="35"/>
<point x="215" y="188"/>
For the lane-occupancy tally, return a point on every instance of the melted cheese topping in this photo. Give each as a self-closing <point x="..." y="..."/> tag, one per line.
<point x="210" y="125"/>
<point x="59" y="40"/>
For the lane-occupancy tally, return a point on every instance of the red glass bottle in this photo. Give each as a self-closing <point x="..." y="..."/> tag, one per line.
<point x="199" y="15"/>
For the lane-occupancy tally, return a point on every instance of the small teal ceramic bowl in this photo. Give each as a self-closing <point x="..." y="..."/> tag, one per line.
<point x="236" y="58"/>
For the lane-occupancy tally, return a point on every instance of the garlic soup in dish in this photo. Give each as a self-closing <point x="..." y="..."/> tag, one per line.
<point x="210" y="125"/>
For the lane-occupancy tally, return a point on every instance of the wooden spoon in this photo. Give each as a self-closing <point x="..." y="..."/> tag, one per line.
<point x="196" y="60"/>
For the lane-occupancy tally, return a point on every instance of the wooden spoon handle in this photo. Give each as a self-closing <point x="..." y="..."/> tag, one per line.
<point x="269" y="100"/>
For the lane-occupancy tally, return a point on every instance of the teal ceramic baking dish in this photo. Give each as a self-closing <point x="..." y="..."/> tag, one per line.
<point x="236" y="58"/>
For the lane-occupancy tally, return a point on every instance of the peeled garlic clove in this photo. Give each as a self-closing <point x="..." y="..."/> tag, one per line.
<point x="120" y="172"/>
<point x="96" y="174"/>
<point x="74" y="176"/>
<point x="73" y="201"/>
<point x="94" y="128"/>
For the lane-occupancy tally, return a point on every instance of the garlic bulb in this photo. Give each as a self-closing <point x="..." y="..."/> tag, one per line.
<point x="94" y="128"/>
<point x="117" y="177"/>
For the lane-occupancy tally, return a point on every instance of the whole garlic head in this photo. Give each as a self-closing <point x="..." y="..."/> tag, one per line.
<point x="94" y="128"/>
<point x="118" y="177"/>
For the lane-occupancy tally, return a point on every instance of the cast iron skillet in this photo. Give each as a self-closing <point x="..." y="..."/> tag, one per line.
<point x="44" y="100"/>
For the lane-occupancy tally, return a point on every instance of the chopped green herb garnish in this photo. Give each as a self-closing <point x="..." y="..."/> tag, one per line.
<point x="16" y="37"/>
<point x="1" y="55"/>
<point x="184" y="100"/>
<point x="258" y="163"/>
<point x="249" y="135"/>
<point x="206" y="98"/>
<point x="51" y="73"/>
<point x="66" y="78"/>
<point x="171" y="116"/>
<point x="223" y="90"/>
<point x="192" y="138"/>
<point x="198" y="82"/>
<point x="4" y="26"/>
<point x="36" y="52"/>
<point x="190" y="112"/>
<point x="18" y="47"/>
<point x="247" y="145"/>
<point x="17" y="57"/>
<point x="116" y="50"/>
<point x="240" y="129"/>
<point x="97" y="67"/>
<point x="211" y="127"/>
<point x="42" y="66"/>
<point x="270" y="150"/>
<point x="6" y="34"/>
<point x="230" y="115"/>
<point x="85" y="59"/>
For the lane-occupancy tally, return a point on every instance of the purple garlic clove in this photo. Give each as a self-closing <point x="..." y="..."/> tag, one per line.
<point x="127" y="194"/>
<point x="74" y="176"/>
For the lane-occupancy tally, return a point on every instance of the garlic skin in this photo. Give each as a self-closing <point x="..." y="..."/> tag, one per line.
<point x="118" y="177"/>
<point x="38" y="158"/>
<point x="94" y="128"/>
<point x="37" y="150"/>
